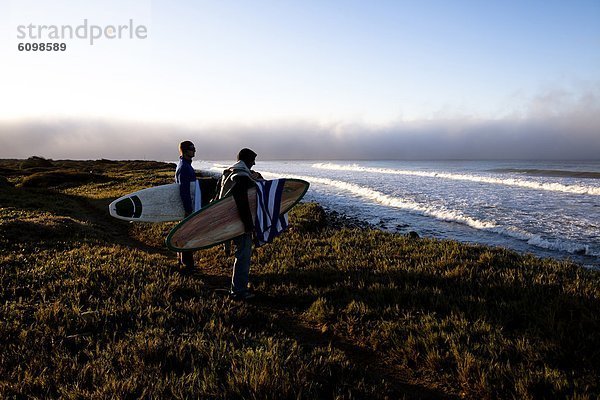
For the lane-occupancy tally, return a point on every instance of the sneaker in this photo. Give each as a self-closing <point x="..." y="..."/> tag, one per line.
<point x="244" y="295"/>
<point x="189" y="272"/>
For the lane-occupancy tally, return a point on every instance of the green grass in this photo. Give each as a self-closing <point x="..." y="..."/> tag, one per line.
<point x="92" y="307"/>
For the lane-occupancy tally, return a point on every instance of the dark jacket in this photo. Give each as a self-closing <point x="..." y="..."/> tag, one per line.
<point x="235" y="181"/>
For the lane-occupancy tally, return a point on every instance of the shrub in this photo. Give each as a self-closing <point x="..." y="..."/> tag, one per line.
<point x="36" y="162"/>
<point x="62" y="178"/>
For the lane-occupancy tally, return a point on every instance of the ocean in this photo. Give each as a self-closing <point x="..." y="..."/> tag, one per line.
<point x="549" y="209"/>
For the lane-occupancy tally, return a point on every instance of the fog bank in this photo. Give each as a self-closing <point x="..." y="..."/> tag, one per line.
<point x="546" y="137"/>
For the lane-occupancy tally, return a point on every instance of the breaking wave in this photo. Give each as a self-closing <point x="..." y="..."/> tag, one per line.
<point x="554" y="187"/>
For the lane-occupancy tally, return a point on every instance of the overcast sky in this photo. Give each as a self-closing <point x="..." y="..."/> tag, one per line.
<point x="304" y="79"/>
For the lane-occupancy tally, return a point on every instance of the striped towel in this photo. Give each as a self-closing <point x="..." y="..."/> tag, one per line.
<point x="268" y="223"/>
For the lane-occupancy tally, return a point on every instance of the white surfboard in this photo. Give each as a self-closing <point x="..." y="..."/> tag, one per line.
<point x="156" y="204"/>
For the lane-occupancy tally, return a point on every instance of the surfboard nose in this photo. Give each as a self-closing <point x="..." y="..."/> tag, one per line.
<point x="129" y="207"/>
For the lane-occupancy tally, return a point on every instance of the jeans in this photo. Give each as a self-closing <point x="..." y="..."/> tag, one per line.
<point x="241" y="266"/>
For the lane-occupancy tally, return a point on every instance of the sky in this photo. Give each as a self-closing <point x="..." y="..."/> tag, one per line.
<point x="333" y="79"/>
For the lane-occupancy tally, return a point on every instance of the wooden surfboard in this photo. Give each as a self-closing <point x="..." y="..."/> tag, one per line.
<point x="220" y="220"/>
<point x="155" y="204"/>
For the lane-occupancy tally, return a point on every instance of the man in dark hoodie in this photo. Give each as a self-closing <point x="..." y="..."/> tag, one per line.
<point x="236" y="180"/>
<point x="184" y="175"/>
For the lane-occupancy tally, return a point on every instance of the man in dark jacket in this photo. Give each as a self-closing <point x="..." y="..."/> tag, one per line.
<point x="236" y="180"/>
<point x="185" y="175"/>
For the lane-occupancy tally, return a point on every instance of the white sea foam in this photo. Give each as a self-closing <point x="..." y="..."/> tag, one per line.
<point x="529" y="184"/>
<point x="554" y="244"/>
<point x="549" y="244"/>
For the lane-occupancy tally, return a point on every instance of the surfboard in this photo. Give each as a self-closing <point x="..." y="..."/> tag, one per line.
<point x="220" y="221"/>
<point x="155" y="204"/>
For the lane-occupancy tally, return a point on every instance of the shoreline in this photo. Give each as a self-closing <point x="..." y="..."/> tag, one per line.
<point x="340" y="221"/>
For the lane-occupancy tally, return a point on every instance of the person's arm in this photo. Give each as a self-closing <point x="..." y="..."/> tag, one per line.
<point x="217" y="194"/>
<point x="184" y="191"/>
<point x="240" y="195"/>
<point x="256" y="175"/>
